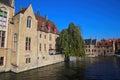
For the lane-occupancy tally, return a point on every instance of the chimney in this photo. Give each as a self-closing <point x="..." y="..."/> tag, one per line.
<point x="21" y="9"/>
<point x="12" y="3"/>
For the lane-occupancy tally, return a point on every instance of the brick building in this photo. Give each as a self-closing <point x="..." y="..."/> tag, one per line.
<point x="117" y="46"/>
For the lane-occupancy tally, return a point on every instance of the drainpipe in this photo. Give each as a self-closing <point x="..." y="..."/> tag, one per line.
<point x="18" y="46"/>
<point x="37" y="49"/>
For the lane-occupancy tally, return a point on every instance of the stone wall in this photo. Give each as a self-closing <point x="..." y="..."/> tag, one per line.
<point x="40" y="62"/>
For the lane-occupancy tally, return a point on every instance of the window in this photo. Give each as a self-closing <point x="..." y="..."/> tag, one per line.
<point x="88" y="46"/>
<point x="1" y="12"/>
<point x="1" y="61"/>
<point x="5" y="14"/>
<point x="3" y="17"/>
<point x="28" y="60"/>
<point x="15" y="42"/>
<point x="50" y="37"/>
<point x="94" y="50"/>
<point x="28" y="42"/>
<point x="40" y="47"/>
<point x="111" y="51"/>
<point x="50" y="46"/>
<point x="40" y="35"/>
<point x="45" y="47"/>
<point x="29" y="22"/>
<point x="45" y="36"/>
<point x="89" y="50"/>
<point x="2" y="39"/>
<point x="98" y="50"/>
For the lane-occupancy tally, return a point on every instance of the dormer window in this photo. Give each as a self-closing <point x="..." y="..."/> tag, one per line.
<point x="29" y="22"/>
<point x="48" y="27"/>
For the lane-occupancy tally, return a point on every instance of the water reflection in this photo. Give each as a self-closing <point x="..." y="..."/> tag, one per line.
<point x="101" y="68"/>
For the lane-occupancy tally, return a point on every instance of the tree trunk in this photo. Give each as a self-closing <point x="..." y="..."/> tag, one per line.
<point x="67" y="58"/>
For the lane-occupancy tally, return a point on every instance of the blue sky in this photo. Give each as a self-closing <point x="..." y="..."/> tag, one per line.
<point x="97" y="18"/>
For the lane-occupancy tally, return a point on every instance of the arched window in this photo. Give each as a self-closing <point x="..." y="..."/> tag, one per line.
<point x="3" y="16"/>
<point x="29" y="22"/>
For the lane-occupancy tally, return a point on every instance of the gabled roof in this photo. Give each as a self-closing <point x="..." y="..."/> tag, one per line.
<point x="6" y="2"/>
<point x="90" y="41"/>
<point x="22" y="10"/>
<point x="104" y="43"/>
<point x="43" y="23"/>
<point x="117" y="40"/>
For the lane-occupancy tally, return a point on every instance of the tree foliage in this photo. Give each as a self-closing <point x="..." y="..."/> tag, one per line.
<point x="71" y="41"/>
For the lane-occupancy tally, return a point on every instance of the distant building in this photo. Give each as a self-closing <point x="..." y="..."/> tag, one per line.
<point x="101" y="48"/>
<point x="106" y="47"/>
<point x="90" y="47"/>
<point x="117" y="46"/>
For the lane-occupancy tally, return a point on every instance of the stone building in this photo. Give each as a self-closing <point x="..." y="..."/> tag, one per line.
<point x="6" y="25"/>
<point x="27" y="40"/>
<point x="90" y="47"/>
<point x="106" y="47"/>
<point x="47" y="34"/>
<point x="24" y="46"/>
<point x="117" y="46"/>
<point x="34" y="41"/>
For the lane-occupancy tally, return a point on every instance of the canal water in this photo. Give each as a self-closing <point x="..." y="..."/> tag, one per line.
<point x="100" y="68"/>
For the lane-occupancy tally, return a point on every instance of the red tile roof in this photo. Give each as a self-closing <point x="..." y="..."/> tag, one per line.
<point x="117" y="40"/>
<point x="46" y="25"/>
<point x="104" y="42"/>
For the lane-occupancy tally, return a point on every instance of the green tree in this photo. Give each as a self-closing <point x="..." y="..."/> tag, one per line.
<point x="71" y="41"/>
<point x="75" y="40"/>
<point x="63" y="41"/>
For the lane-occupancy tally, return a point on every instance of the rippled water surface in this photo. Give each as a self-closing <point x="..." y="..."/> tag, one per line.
<point x="100" y="68"/>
